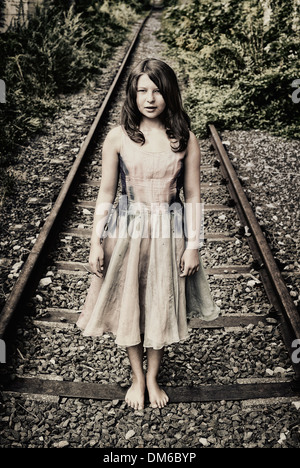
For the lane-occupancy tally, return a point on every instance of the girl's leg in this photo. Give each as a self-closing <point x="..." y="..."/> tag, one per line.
<point x="158" y="398"/>
<point x="135" y="396"/>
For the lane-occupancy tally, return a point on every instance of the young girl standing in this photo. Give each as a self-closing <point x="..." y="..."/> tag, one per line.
<point x="148" y="273"/>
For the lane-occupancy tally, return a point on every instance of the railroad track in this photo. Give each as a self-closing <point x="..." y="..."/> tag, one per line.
<point x="157" y="4"/>
<point x="59" y="258"/>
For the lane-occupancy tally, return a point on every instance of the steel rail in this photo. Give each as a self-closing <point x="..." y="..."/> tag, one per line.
<point x="30" y="273"/>
<point x="287" y="305"/>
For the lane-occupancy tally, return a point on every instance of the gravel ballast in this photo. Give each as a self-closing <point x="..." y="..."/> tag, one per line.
<point x="87" y="423"/>
<point x="268" y="167"/>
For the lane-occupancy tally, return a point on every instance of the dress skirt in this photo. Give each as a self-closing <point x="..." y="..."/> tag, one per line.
<point x="142" y="296"/>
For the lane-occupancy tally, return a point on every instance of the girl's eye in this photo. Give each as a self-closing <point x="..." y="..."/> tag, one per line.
<point x="144" y="91"/>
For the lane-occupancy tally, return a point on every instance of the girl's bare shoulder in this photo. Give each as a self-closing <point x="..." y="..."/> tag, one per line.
<point x="113" y="138"/>
<point x="193" y="144"/>
<point x="193" y="140"/>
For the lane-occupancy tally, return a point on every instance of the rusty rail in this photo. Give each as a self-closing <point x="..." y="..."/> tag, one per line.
<point x="287" y="307"/>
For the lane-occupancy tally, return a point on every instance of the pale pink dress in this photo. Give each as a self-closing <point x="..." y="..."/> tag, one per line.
<point x="142" y="292"/>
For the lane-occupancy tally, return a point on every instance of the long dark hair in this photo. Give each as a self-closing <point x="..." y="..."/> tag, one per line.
<point x="174" y="117"/>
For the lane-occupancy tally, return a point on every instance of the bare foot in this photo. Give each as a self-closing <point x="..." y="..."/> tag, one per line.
<point x="158" y="398"/>
<point x="135" y="396"/>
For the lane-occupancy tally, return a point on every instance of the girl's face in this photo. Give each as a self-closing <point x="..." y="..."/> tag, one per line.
<point x="150" y="101"/>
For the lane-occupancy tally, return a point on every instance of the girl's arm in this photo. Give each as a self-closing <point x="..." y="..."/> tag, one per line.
<point x="106" y="197"/>
<point x="189" y="263"/>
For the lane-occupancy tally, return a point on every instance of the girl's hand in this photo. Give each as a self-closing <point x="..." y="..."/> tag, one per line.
<point x="189" y="262"/>
<point x="96" y="259"/>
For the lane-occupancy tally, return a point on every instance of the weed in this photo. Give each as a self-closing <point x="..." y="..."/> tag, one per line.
<point x="240" y="61"/>
<point x="59" y="50"/>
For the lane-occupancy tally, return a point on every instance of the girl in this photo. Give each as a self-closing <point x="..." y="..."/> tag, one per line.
<point x="147" y="269"/>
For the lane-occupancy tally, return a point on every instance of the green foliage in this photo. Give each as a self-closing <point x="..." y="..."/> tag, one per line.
<point x="59" y="4"/>
<point x="83" y="6"/>
<point x="239" y="62"/>
<point x="57" y="51"/>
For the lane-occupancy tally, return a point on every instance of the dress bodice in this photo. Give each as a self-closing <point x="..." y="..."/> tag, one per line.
<point x="150" y="177"/>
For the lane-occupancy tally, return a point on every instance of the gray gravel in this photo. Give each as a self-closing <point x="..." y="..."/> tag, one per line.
<point x="269" y="168"/>
<point x="86" y="423"/>
<point x="209" y="356"/>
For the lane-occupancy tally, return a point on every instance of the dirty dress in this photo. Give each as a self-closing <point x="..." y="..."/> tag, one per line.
<point x="142" y="295"/>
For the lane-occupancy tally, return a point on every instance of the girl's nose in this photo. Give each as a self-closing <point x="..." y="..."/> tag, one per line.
<point x="150" y="97"/>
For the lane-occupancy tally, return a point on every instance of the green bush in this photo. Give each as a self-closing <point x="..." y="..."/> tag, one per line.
<point x="239" y="67"/>
<point x="137" y="5"/>
<point x="57" y="51"/>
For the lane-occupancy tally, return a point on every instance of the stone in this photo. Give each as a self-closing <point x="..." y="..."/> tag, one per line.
<point x="61" y="444"/>
<point x="204" y="442"/>
<point x="45" y="282"/>
<point x="129" y="434"/>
